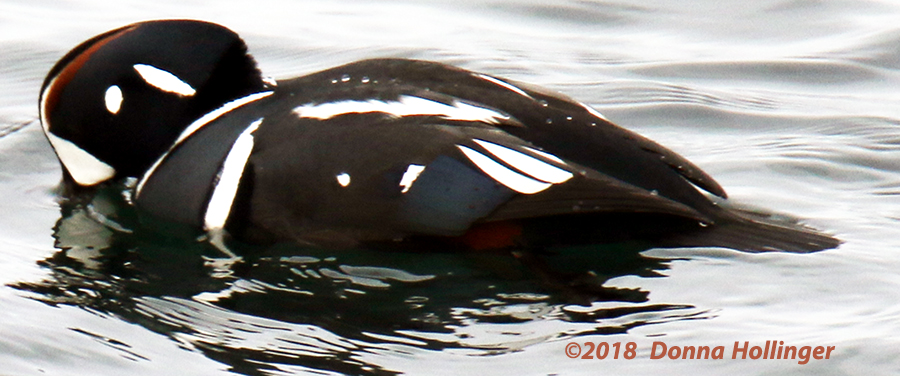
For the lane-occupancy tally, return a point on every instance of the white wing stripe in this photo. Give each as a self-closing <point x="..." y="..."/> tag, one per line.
<point x="530" y="165"/>
<point x="514" y="180"/>
<point x="546" y="155"/>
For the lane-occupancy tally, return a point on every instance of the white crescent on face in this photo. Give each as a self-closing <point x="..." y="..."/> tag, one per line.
<point x="84" y="168"/>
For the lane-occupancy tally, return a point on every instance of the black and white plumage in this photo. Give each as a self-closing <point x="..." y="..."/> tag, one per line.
<point x="372" y="151"/>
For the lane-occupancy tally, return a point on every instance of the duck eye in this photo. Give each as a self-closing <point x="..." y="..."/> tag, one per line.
<point x="113" y="99"/>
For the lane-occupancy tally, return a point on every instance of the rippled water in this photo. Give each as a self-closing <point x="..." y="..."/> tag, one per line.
<point x="791" y="105"/>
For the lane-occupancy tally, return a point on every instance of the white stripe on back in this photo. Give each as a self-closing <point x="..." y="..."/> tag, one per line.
<point x="504" y="84"/>
<point x="405" y="105"/>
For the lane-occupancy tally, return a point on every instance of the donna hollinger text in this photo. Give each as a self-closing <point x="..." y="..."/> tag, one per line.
<point x="770" y="350"/>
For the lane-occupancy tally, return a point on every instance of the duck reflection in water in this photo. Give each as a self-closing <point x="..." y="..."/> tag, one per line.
<point x="348" y="299"/>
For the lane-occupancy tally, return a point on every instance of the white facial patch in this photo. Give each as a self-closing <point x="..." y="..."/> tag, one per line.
<point x="343" y="179"/>
<point x="503" y="84"/>
<point x="405" y="105"/>
<point x="503" y="175"/>
<point x="164" y="80"/>
<point x="84" y="168"/>
<point x="219" y="207"/>
<point x="530" y="165"/>
<point x="113" y="99"/>
<point x="196" y="125"/>
<point x="409" y="177"/>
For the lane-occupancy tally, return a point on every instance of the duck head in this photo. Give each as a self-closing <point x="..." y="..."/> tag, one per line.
<point x="118" y="101"/>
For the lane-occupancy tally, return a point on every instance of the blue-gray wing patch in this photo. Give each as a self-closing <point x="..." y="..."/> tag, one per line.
<point x="448" y="196"/>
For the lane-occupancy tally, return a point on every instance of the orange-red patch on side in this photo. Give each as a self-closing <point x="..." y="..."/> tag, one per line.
<point x="492" y="235"/>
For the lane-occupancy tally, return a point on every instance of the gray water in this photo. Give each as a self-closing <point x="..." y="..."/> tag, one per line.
<point x="791" y="105"/>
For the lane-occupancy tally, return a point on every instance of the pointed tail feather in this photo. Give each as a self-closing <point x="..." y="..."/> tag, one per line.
<point x="753" y="232"/>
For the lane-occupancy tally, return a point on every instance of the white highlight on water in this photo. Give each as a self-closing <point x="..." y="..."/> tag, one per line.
<point x="164" y="80"/>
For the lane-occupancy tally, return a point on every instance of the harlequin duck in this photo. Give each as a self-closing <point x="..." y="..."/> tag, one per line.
<point x="384" y="150"/>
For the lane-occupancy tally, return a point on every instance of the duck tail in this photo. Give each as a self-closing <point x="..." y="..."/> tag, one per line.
<point x="755" y="232"/>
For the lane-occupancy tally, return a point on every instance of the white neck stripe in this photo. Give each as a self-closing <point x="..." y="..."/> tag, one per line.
<point x="215" y="114"/>
<point x="197" y="124"/>
<point x="228" y="180"/>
